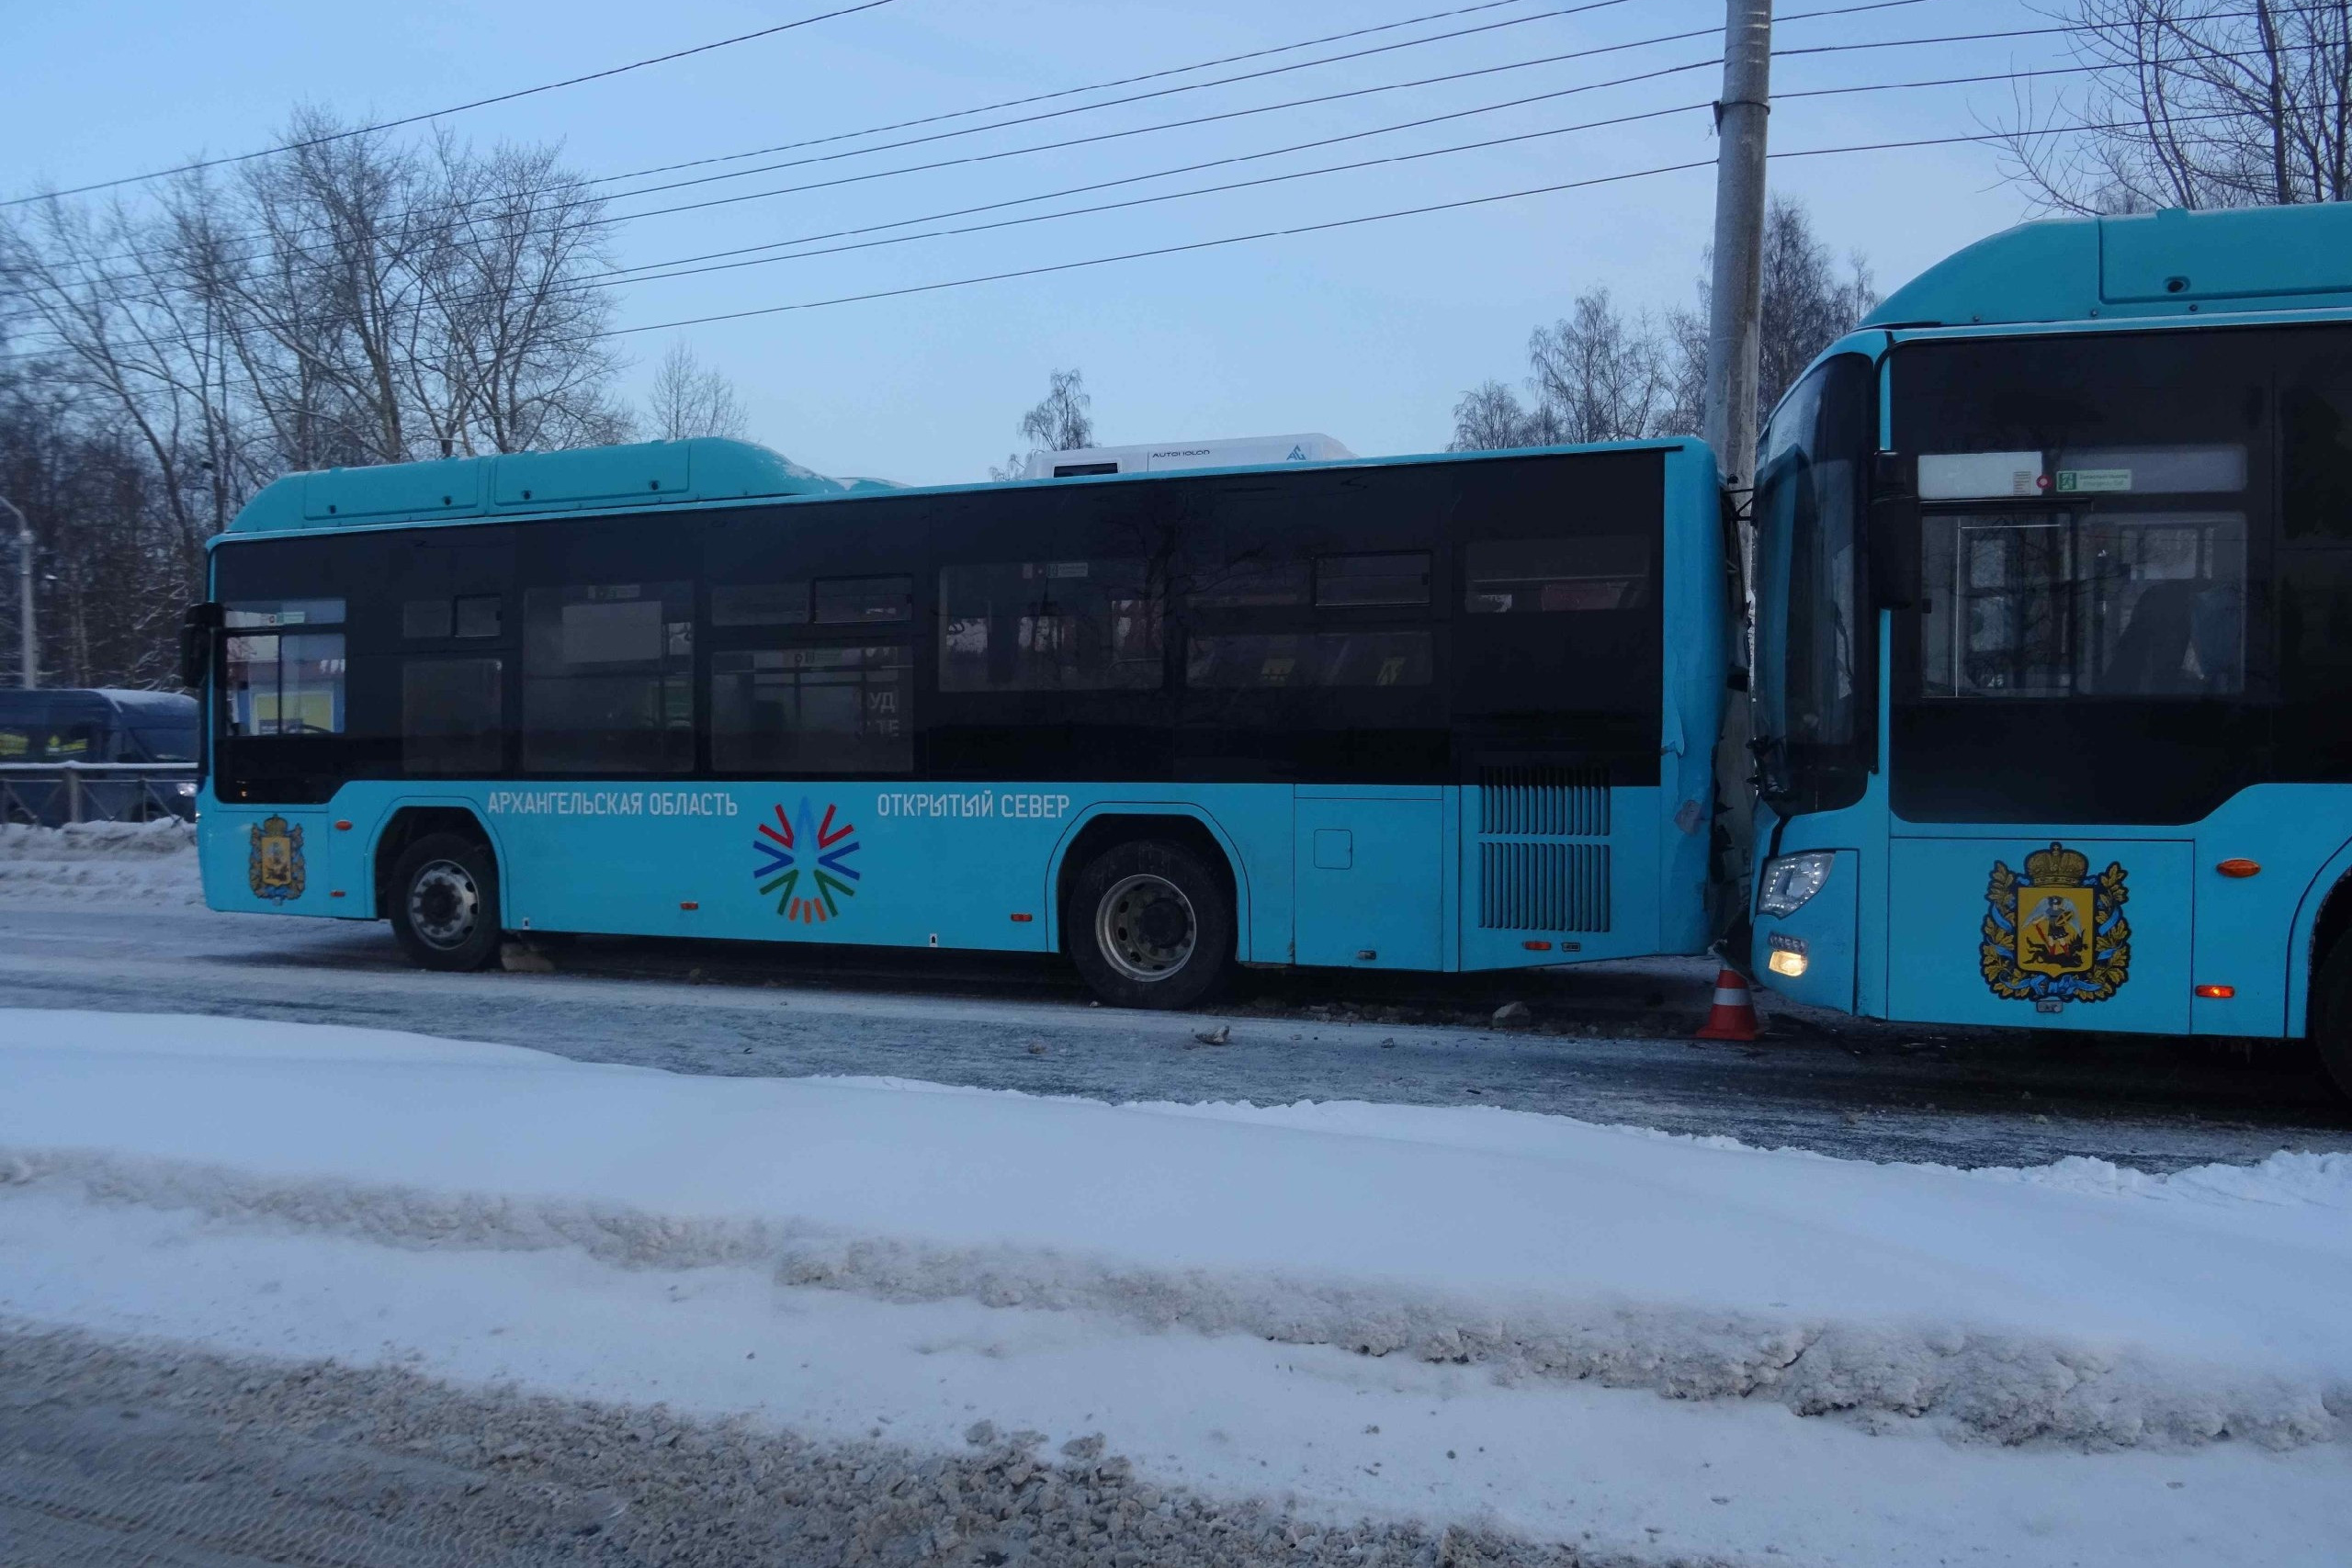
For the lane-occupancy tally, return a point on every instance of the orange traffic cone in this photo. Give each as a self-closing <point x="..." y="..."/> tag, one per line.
<point x="1733" y="1014"/>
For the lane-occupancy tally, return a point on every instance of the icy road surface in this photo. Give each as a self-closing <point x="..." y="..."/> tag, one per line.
<point x="1610" y="1043"/>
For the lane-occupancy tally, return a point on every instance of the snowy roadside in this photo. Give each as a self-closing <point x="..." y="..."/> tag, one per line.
<point x="1461" y="1315"/>
<point x="148" y="863"/>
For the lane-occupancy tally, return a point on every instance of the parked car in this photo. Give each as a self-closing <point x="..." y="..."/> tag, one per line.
<point x="46" y="728"/>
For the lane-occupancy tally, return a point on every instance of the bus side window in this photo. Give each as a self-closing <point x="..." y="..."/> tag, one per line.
<point x="607" y="684"/>
<point x="452" y="717"/>
<point x="1050" y="626"/>
<point x="1516" y="577"/>
<point x="1398" y="579"/>
<point x="2316" y="430"/>
<point x="1293" y="660"/>
<point x="812" y="709"/>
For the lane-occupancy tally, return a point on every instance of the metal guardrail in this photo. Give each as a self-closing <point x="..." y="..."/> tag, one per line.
<point x="51" y="795"/>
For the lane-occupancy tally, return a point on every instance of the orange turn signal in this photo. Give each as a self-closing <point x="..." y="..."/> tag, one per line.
<point x="2238" y="866"/>
<point x="343" y="827"/>
<point x="689" y="904"/>
<point x="2217" y="993"/>
<point x="1022" y="920"/>
<point x="1536" y="946"/>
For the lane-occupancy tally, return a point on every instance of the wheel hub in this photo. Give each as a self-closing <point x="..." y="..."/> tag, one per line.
<point x="1145" y="928"/>
<point x="444" y="904"/>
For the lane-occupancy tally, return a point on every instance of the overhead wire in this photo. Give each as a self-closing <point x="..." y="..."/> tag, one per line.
<point x="1162" y="125"/>
<point x="655" y="271"/>
<point x="571" y="184"/>
<point x="1326" y="226"/>
<point x="443" y="113"/>
<point x="1245" y="112"/>
<point x="1226" y="241"/>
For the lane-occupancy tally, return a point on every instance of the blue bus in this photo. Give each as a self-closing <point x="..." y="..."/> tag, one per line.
<point x="1441" y="713"/>
<point x="2054" y="638"/>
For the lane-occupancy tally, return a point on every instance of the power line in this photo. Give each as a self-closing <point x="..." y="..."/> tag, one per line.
<point x="682" y="267"/>
<point x="1307" y="229"/>
<point x="685" y="266"/>
<point x="1230" y="240"/>
<point x="653" y="271"/>
<point x="1246" y="112"/>
<point x="1104" y="87"/>
<point x="1111" y="103"/>
<point x="454" y="109"/>
<point x="1141" y="201"/>
<point x="1026" y="120"/>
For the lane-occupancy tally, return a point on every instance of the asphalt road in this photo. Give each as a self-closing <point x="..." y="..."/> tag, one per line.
<point x="1609" y="1042"/>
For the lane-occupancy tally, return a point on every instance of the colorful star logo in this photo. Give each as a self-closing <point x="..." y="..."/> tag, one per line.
<point x="804" y="842"/>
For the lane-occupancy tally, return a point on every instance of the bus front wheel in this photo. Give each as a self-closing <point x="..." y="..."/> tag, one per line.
<point x="1150" y="926"/>
<point x="443" y="898"/>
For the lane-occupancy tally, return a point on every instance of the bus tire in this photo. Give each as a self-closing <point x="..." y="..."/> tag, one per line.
<point x="443" y="898"/>
<point x="2331" y="1014"/>
<point x="1150" y="926"/>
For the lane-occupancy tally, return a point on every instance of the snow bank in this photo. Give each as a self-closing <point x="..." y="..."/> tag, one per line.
<point x="2097" y="1312"/>
<point x="113" y="862"/>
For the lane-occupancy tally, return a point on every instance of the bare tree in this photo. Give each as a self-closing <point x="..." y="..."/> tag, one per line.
<point x="689" y="400"/>
<point x="523" y="361"/>
<point x="109" y="578"/>
<point x="353" y="299"/>
<point x="1809" y="301"/>
<point x="1489" y="418"/>
<point x="2191" y="104"/>
<point x="1060" y="422"/>
<point x="149" y="365"/>
<point x="1597" y="375"/>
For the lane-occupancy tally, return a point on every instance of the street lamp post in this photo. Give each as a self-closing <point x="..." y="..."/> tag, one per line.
<point x="30" y="643"/>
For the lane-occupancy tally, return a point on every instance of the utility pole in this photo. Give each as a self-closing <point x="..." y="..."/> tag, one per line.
<point x="1735" y="303"/>
<point x="1736" y="300"/>
<point x="31" y="644"/>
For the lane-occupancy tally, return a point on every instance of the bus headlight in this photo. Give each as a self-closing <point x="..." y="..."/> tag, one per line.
<point x="1791" y="880"/>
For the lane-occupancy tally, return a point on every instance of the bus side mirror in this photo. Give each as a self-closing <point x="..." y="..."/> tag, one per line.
<point x="195" y="643"/>
<point x="1893" y="532"/>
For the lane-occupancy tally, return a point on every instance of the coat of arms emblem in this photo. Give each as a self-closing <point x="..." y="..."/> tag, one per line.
<point x="274" y="870"/>
<point x="2055" y="935"/>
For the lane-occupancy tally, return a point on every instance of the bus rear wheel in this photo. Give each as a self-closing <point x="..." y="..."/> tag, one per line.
<point x="443" y="898"/>
<point x="2331" y="1014"/>
<point x="1150" y="926"/>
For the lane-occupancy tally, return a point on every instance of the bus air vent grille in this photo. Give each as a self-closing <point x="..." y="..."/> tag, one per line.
<point x="1560" y="803"/>
<point x="1535" y="886"/>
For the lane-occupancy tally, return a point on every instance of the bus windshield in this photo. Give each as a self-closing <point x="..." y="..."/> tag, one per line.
<point x="1811" y="673"/>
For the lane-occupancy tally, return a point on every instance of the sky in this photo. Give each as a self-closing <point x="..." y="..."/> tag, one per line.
<point x="1367" y="333"/>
